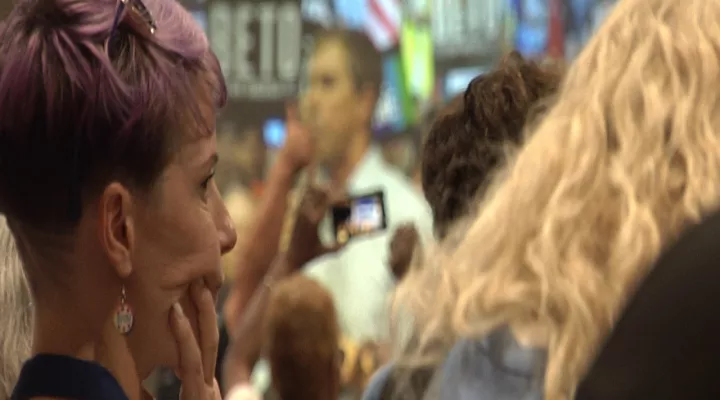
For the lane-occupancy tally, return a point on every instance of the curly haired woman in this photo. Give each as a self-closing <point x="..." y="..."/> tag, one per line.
<point x="467" y="142"/>
<point x="17" y="315"/>
<point x="624" y="161"/>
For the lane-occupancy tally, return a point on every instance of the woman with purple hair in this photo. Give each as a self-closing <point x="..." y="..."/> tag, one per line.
<point x="107" y="156"/>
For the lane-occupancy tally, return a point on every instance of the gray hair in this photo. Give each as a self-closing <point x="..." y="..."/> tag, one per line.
<point x="16" y="318"/>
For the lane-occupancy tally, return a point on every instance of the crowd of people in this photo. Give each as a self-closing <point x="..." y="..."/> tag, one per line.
<point x="563" y="245"/>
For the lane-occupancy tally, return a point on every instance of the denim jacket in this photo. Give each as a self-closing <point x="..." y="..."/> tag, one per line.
<point x="494" y="368"/>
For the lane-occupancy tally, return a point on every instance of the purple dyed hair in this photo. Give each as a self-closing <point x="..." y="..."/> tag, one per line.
<point x="72" y="119"/>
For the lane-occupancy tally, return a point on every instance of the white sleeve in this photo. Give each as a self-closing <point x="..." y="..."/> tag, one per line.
<point x="243" y="391"/>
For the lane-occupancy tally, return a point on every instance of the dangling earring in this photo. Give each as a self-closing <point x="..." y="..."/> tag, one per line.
<point x="124" y="317"/>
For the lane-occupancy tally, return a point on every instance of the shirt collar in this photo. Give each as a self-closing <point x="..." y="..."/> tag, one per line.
<point x="368" y="170"/>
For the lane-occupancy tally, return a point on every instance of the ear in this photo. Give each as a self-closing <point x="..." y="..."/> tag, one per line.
<point x="116" y="225"/>
<point x="368" y="99"/>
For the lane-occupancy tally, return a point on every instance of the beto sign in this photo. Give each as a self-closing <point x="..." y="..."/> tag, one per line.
<point x="259" y="46"/>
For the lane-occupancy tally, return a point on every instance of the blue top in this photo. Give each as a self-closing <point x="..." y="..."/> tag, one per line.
<point x="494" y="368"/>
<point x="49" y="375"/>
<point x="377" y="383"/>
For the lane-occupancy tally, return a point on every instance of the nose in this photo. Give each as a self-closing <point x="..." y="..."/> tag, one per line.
<point x="227" y="234"/>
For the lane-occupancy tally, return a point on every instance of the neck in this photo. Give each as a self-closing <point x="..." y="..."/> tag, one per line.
<point x="58" y="331"/>
<point x="350" y="158"/>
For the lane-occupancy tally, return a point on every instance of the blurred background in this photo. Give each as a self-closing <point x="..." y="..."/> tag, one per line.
<point x="431" y="48"/>
<point x="431" y="51"/>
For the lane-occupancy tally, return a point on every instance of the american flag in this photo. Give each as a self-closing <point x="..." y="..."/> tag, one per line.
<point x="383" y="22"/>
<point x="556" y="31"/>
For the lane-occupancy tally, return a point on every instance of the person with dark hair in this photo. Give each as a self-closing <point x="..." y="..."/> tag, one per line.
<point x="466" y="142"/>
<point x="345" y="75"/>
<point x="107" y="157"/>
<point x="469" y="140"/>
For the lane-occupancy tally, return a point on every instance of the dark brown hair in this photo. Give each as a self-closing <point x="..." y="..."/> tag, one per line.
<point x="467" y="140"/>
<point x="302" y="336"/>
<point x="364" y="59"/>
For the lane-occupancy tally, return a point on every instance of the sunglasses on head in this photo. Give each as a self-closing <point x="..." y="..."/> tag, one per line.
<point x="134" y="12"/>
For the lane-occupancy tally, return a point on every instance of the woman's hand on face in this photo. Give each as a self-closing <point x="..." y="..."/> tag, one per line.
<point x="197" y="356"/>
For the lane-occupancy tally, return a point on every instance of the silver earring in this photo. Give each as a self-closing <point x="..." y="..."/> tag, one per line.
<point x="124" y="317"/>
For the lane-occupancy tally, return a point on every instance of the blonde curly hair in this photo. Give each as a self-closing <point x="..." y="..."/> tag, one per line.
<point x="17" y="313"/>
<point x="626" y="158"/>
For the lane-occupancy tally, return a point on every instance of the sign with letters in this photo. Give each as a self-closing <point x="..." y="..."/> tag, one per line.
<point x="454" y="21"/>
<point x="259" y="46"/>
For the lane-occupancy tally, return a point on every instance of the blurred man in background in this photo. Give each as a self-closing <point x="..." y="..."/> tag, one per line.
<point x="345" y="78"/>
<point x="336" y="110"/>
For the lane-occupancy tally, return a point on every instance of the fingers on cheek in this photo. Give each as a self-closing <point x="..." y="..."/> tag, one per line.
<point x="196" y="289"/>
<point x="188" y="353"/>
<point x="202" y="297"/>
<point x="179" y="324"/>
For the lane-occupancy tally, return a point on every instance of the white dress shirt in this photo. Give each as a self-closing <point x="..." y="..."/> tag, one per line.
<point x="358" y="276"/>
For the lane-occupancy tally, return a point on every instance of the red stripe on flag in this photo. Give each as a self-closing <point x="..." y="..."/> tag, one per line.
<point x="379" y="13"/>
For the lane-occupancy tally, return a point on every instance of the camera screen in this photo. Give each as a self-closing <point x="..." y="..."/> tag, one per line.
<point x="360" y="216"/>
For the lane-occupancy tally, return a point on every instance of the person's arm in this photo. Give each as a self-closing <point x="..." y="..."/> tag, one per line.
<point x="263" y="239"/>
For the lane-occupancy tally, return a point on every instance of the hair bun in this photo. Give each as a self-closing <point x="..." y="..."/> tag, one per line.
<point x="84" y="20"/>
